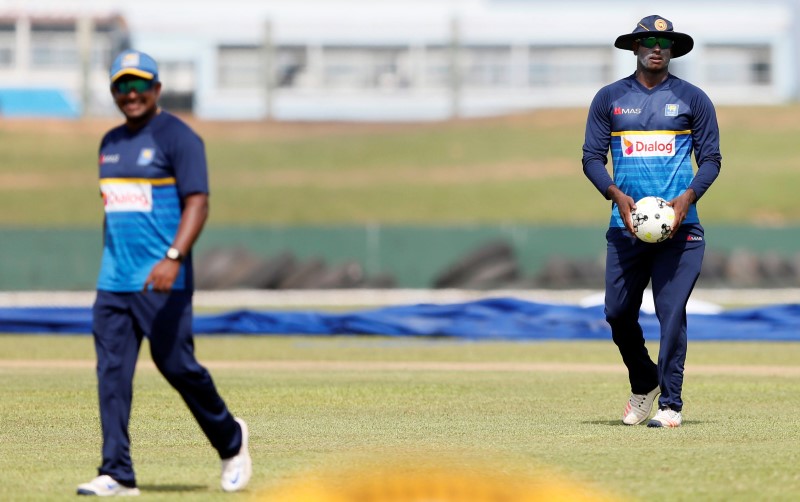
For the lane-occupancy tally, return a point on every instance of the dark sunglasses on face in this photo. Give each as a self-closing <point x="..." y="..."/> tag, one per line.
<point x="651" y="42"/>
<point x="139" y="85"/>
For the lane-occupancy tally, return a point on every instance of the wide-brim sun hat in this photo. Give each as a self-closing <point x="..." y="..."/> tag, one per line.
<point x="656" y="26"/>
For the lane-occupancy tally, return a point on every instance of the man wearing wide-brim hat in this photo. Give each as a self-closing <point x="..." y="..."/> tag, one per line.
<point x="656" y="26"/>
<point x="652" y="122"/>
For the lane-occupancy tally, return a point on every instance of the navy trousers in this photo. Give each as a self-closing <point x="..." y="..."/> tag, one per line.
<point x="120" y="321"/>
<point x="673" y="266"/>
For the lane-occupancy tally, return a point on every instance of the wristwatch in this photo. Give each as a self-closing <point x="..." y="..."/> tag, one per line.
<point x="174" y="254"/>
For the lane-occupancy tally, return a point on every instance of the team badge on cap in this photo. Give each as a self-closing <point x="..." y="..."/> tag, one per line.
<point x="660" y="24"/>
<point x="130" y="59"/>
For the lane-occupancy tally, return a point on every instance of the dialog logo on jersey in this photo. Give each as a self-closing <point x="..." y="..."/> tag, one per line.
<point x="628" y="147"/>
<point x="127" y="197"/>
<point x="650" y="145"/>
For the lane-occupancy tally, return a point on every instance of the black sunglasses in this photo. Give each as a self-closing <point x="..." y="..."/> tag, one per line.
<point x="651" y="42"/>
<point x="139" y="85"/>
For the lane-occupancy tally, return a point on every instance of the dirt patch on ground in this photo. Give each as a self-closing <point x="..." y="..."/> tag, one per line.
<point x="358" y="178"/>
<point x="412" y="366"/>
<point x="758" y="116"/>
<point x="229" y="130"/>
<point x="287" y="130"/>
<point x="38" y="180"/>
<point x="94" y="127"/>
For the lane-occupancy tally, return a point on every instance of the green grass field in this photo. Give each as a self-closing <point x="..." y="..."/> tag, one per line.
<point x="319" y="406"/>
<point x="524" y="169"/>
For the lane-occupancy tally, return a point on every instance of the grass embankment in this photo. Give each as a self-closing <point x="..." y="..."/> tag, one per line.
<point x="522" y="169"/>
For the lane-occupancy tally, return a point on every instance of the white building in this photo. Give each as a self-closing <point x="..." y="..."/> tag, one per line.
<point x="385" y="59"/>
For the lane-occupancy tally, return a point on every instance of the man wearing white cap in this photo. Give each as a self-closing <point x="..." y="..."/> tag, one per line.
<point x="154" y="183"/>
<point x="652" y="122"/>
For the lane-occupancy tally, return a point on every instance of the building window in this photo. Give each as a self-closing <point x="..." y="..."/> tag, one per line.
<point x="484" y="66"/>
<point x="569" y="66"/>
<point x="7" y="44"/>
<point x="239" y="67"/>
<point x="104" y="45"/>
<point x="54" y="46"/>
<point x="353" y="67"/>
<point x="739" y="64"/>
<point x="290" y="63"/>
<point x="437" y="69"/>
<point x="178" y="75"/>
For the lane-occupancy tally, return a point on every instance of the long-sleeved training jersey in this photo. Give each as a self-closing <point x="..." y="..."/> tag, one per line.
<point x="652" y="134"/>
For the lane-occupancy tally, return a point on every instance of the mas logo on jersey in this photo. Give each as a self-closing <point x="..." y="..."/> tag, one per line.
<point x="618" y="110"/>
<point x="651" y="145"/>
<point x="671" y="110"/>
<point x="146" y="156"/>
<point x="127" y="196"/>
<point x="109" y="158"/>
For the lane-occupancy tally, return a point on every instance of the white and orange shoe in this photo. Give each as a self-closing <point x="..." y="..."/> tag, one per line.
<point x="639" y="407"/>
<point x="666" y="418"/>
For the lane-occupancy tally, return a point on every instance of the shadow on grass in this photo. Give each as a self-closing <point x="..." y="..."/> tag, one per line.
<point x="618" y="423"/>
<point x="172" y="488"/>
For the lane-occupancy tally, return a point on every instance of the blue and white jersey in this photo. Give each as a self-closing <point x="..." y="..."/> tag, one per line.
<point x="144" y="177"/>
<point x="652" y="134"/>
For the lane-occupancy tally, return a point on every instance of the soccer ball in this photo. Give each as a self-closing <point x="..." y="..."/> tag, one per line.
<point x="652" y="219"/>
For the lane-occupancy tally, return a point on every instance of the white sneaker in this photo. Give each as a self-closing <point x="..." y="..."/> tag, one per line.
<point x="236" y="471"/>
<point x="639" y="406"/>
<point x="666" y="418"/>
<point x="106" y="486"/>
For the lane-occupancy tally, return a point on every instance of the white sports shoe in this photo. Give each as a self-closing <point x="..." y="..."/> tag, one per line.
<point x="106" y="486"/>
<point x="236" y="471"/>
<point x="666" y="418"/>
<point x="639" y="406"/>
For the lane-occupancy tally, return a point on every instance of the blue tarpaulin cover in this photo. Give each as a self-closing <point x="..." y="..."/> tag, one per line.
<point x="491" y="319"/>
<point x="20" y="102"/>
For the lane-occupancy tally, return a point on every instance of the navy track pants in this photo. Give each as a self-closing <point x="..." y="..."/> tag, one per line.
<point x="673" y="266"/>
<point x="120" y="321"/>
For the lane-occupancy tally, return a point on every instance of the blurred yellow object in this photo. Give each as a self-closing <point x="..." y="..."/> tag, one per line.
<point x="406" y="484"/>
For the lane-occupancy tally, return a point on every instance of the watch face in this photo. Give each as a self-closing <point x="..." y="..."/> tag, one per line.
<point x="173" y="254"/>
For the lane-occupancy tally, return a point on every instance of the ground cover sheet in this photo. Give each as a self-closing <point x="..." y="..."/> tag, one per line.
<point x="490" y="319"/>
